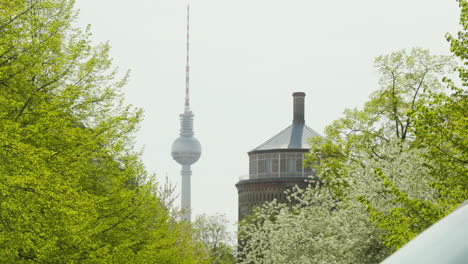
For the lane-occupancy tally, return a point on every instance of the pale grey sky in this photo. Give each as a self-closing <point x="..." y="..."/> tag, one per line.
<point x="247" y="57"/>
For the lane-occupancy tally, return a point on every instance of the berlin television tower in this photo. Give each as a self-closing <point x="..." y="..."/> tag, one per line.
<point x="186" y="149"/>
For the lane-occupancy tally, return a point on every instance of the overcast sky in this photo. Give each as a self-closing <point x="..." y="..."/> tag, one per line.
<point x="247" y="58"/>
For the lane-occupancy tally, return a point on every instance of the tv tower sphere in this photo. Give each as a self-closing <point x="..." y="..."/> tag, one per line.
<point x="186" y="150"/>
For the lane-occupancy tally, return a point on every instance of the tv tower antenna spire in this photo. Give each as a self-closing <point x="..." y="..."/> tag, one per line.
<point x="186" y="149"/>
<point x="187" y="65"/>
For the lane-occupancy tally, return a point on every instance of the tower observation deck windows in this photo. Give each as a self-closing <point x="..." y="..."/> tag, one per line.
<point x="274" y="165"/>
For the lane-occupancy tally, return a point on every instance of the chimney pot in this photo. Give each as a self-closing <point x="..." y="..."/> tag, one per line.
<point x="298" y="107"/>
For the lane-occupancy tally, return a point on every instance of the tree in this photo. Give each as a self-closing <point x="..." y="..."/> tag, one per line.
<point x="441" y="125"/>
<point x="376" y="189"/>
<point x="407" y="78"/>
<point x="212" y="232"/>
<point x="439" y="128"/>
<point x="72" y="189"/>
<point x="361" y="138"/>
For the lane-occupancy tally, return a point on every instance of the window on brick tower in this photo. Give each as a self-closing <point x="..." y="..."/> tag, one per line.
<point x="268" y="165"/>
<point x="283" y="166"/>
<point x="299" y="165"/>
<point x="292" y="165"/>
<point x="261" y="166"/>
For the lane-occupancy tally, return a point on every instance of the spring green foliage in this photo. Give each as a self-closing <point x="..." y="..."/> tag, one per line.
<point x="72" y="190"/>
<point x="442" y="126"/>
<point x="459" y="43"/>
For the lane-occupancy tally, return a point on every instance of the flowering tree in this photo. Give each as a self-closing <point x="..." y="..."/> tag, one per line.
<point x="324" y="228"/>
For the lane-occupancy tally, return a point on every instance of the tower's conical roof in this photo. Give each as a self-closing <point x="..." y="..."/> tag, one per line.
<point x="295" y="136"/>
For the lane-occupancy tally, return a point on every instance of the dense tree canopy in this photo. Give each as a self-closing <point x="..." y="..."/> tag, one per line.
<point x="72" y="189"/>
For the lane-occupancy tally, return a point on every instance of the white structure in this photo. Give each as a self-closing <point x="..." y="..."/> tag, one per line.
<point x="186" y="149"/>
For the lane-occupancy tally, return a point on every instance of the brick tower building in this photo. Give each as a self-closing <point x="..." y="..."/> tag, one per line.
<point x="277" y="165"/>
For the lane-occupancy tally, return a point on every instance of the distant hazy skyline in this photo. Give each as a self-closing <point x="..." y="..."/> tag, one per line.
<point x="247" y="57"/>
